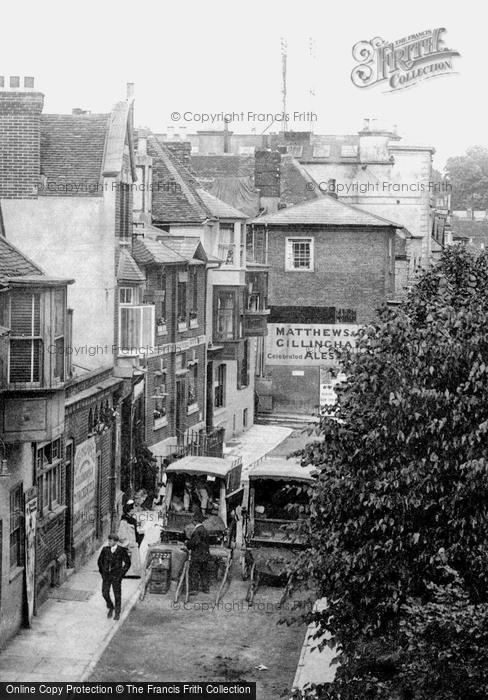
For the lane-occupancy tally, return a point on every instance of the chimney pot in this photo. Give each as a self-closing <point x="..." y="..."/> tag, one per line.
<point x="14" y="81"/>
<point x="130" y="91"/>
<point x="2" y="81"/>
<point x="29" y="82"/>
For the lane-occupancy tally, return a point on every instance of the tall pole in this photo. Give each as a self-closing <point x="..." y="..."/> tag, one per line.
<point x="284" y="49"/>
<point x="312" y="57"/>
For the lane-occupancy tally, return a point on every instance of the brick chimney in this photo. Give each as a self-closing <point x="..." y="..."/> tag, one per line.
<point x="267" y="179"/>
<point x="20" y="112"/>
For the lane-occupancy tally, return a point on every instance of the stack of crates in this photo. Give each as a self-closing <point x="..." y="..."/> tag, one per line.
<point x="160" y="573"/>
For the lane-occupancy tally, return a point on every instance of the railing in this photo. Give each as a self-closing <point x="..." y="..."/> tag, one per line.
<point x="196" y="443"/>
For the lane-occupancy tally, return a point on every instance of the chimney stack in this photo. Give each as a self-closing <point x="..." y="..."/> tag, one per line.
<point x="20" y="114"/>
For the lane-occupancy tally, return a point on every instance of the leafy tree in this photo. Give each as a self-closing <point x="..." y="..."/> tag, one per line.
<point x="399" y="519"/>
<point x="468" y="175"/>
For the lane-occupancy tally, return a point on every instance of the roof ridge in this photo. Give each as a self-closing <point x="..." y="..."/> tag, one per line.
<point x="170" y="163"/>
<point x="314" y="202"/>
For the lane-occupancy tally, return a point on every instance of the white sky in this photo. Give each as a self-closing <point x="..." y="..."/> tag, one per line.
<point x="218" y="56"/>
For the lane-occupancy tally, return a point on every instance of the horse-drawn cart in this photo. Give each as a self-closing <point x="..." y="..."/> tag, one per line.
<point x="214" y="485"/>
<point x="279" y="493"/>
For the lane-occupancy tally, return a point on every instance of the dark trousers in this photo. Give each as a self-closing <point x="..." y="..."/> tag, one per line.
<point x="199" y="574"/>
<point x="116" y="584"/>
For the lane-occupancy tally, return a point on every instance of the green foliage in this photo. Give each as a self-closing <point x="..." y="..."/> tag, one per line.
<point x="399" y="522"/>
<point x="468" y="175"/>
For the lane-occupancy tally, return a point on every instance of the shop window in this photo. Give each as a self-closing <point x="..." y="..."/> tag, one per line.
<point x="219" y="395"/>
<point x="16" y="527"/>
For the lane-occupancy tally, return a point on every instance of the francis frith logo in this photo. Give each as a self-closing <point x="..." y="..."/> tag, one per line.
<point x="404" y="62"/>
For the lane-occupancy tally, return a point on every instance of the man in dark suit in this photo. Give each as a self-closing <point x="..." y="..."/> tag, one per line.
<point x="198" y="544"/>
<point x="113" y="564"/>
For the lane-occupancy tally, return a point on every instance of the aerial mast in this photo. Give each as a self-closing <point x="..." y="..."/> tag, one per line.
<point x="312" y="53"/>
<point x="284" y="54"/>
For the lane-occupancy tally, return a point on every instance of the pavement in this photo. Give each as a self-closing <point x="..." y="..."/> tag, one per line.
<point x="67" y="637"/>
<point x="71" y="631"/>
<point x="314" y="666"/>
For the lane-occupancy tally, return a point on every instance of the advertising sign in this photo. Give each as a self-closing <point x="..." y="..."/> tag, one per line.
<point x="84" y="490"/>
<point x="30" y="549"/>
<point x="308" y="345"/>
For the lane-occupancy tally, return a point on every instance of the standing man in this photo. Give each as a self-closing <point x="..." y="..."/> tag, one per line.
<point x="198" y="545"/>
<point x="113" y="564"/>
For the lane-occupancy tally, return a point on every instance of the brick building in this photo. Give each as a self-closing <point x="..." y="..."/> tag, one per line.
<point x="75" y="219"/>
<point x="176" y="281"/>
<point x="331" y="266"/>
<point x="34" y="331"/>
<point x="178" y="211"/>
<point x="372" y="169"/>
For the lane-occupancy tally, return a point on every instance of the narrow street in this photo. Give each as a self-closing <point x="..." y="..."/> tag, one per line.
<point x="198" y="642"/>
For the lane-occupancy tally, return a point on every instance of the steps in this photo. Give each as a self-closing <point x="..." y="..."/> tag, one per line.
<point x="289" y="420"/>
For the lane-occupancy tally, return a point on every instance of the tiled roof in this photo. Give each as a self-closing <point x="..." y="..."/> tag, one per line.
<point x="149" y="250"/>
<point x="174" y="196"/>
<point x="218" y="208"/>
<point x="168" y="249"/>
<point x="127" y="270"/>
<point x="13" y="263"/>
<point x="72" y="154"/>
<point x="326" y="211"/>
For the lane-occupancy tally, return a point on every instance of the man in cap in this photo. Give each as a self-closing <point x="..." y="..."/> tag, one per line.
<point x="198" y="545"/>
<point x="113" y="564"/>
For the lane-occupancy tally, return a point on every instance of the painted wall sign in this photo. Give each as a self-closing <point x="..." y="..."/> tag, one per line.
<point x="84" y="490"/>
<point x="311" y="345"/>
